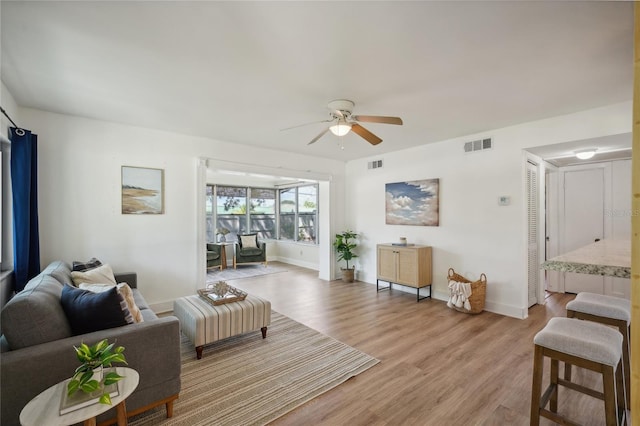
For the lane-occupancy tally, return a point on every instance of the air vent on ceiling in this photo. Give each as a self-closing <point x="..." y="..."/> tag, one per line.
<point x="478" y="145"/>
<point x="374" y="164"/>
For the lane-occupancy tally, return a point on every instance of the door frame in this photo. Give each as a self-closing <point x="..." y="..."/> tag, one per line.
<point x="539" y="163"/>
<point x="551" y="249"/>
<point x="607" y="225"/>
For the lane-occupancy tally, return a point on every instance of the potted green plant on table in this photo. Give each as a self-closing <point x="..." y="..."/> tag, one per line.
<point x="344" y="245"/>
<point x="89" y="377"/>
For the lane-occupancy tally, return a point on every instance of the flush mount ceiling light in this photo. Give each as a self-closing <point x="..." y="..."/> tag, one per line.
<point x="341" y="128"/>
<point x="585" y="154"/>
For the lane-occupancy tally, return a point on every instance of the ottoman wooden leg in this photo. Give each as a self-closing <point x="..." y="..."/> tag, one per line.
<point x="264" y="332"/>
<point x="199" y="352"/>
<point x="169" y="407"/>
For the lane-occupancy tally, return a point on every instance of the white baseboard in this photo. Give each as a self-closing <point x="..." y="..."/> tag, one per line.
<point x="296" y="262"/>
<point x="496" y="308"/>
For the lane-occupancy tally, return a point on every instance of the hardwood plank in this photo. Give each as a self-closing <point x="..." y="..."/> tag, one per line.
<point x="438" y="366"/>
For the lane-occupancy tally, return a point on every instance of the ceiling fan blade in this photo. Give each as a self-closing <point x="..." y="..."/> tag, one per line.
<point x="306" y="124"/>
<point x="365" y="134"/>
<point x="378" y="119"/>
<point x="314" y="140"/>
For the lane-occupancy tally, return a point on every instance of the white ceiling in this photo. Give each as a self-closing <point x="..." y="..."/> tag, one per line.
<point x="241" y="71"/>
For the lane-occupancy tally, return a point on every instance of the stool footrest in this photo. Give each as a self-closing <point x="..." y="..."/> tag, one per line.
<point x="547" y="395"/>
<point x="576" y="387"/>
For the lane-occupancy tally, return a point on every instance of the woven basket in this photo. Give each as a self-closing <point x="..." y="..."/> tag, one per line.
<point x="478" y="292"/>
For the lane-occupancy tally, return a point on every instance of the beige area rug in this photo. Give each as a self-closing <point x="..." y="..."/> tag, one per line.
<point x="247" y="380"/>
<point x="243" y="271"/>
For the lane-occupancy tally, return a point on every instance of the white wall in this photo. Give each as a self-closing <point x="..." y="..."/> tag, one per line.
<point x="6" y="250"/>
<point x="80" y="217"/>
<point x="6" y="218"/>
<point x="620" y="200"/>
<point x="620" y="220"/>
<point x="79" y="194"/>
<point x="475" y="234"/>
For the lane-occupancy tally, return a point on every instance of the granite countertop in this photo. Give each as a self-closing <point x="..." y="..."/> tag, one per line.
<point x="606" y="257"/>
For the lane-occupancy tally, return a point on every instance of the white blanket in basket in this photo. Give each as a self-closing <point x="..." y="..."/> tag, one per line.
<point x="459" y="294"/>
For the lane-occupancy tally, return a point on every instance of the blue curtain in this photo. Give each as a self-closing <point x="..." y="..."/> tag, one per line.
<point x="24" y="187"/>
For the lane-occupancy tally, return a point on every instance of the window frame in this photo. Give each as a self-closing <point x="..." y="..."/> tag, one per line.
<point x="246" y="217"/>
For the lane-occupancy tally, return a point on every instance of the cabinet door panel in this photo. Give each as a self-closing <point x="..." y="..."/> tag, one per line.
<point x="407" y="267"/>
<point x="386" y="264"/>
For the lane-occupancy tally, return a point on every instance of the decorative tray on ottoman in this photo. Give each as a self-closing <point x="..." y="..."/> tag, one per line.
<point x="220" y="293"/>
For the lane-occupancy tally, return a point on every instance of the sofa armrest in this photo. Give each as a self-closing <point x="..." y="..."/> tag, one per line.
<point x="130" y="278"/>
<point x="152" y="348"/>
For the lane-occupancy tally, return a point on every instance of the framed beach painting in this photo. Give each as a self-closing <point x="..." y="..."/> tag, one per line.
<point x="142" y="190"/>
<point x="413" y="203"/>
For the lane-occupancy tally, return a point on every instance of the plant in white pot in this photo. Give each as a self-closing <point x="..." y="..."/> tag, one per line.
<point x="344" y="245"/>
<point x="90" y="377"/>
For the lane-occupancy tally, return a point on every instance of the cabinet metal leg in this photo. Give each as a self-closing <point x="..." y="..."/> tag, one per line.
<point x="418" y="298"/>
<point x="378" y="288"/>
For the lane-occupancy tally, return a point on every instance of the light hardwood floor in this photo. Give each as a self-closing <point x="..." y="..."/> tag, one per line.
<point x="438" y="366"/>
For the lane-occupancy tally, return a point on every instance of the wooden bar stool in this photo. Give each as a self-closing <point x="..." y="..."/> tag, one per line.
<point x="585" y="344"/>
<point x="608" y="310"/>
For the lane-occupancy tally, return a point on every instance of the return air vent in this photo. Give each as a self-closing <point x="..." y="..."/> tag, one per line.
<point x="374" y="164"/>
<point x="478" y="145"/>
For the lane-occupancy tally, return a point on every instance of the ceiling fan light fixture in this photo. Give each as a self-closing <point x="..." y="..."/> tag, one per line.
<point x="585" y="154"/>
<point x="340" y="128"/>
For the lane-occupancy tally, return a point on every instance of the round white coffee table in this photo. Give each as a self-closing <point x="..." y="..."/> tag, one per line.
<point x="44" y="409"/>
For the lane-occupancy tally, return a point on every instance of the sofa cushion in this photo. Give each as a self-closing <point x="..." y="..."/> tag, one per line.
<point x="251" y="251"/>
<point x="88" y="311"/>
<point x="249" y="241"/>
<point x="34" y="315"/>
<point x="140" y="301"/>
<point x="86" y="266"/>
<point x="58" y="270"/>
<point x="124" y="290"/>
<point x="148" y="314"/>
<point x="100" y="275"/>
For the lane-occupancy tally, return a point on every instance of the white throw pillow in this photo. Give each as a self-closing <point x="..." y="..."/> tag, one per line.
<point x="124" y="290"/>
<point x="249" y="241"/>
<point x="100" y="275"/>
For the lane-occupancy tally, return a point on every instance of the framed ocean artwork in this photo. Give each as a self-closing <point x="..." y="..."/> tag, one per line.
<point x="142" y="190"/>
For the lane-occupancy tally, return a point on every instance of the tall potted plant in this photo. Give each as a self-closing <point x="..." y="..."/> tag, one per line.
<point x="344" y="245"/>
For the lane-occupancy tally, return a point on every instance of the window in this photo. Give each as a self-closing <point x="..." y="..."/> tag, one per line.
<point x="262" y="212"/>
<point x="299" y="213"/>
<point x="208" y="208"/>
<point x="231" y="210"/>
<point x="307" y="213"/>
<point x="288" y="214"/>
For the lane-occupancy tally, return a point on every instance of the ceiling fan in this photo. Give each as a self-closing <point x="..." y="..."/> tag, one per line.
<point x="340" y="113"/>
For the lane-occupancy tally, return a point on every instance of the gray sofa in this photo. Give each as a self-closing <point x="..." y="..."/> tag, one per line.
<point x="37" y="347"/>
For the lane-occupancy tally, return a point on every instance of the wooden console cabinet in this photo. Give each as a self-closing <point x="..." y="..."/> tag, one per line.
<point x="406" y="265"/>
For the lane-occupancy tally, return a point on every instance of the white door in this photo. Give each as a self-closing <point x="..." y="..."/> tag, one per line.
<point x="583" y="222"/>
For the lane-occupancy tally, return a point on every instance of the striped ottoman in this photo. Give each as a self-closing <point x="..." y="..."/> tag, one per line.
<point x="204" y="323"/>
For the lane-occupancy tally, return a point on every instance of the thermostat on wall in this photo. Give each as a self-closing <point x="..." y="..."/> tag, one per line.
<point x="504" y="200"/>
